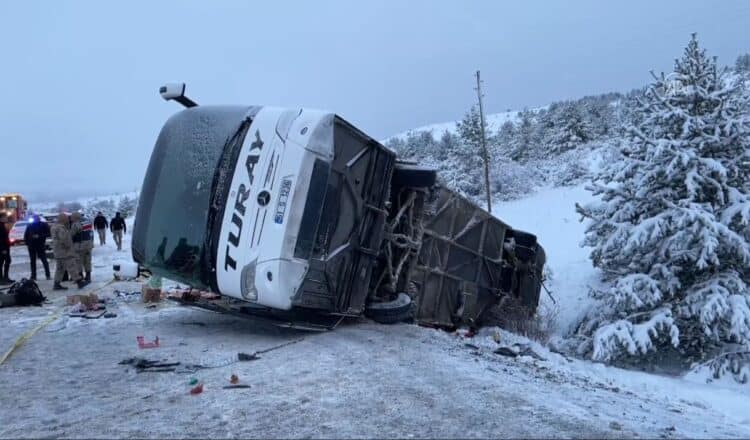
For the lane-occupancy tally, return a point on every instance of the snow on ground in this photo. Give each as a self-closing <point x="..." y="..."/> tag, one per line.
<point x="550" y="215"/>
<point x="360" y="380"/>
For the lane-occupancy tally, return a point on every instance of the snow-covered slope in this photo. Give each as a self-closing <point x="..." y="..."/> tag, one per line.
<point x="550" y="215"/>
<point x="494" y="122"/>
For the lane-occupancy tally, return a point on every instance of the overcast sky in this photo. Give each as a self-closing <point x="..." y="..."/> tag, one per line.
<point x="80" y="110"/>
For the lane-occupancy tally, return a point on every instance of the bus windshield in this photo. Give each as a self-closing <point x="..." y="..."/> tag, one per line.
<point x="170" y="228"/>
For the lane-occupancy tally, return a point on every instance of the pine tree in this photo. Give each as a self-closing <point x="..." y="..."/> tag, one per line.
<point x="470" y="130"/>
<point x="127" y="206"/>
<point x="467" y="160"/>
<point x="742" y="65"/>
<point x="502" y="142"/>
<point x="671" y="230"/>
<point x="447" y="145"/>
<point x="524" y="145"/>
<point x="571" y="129"/>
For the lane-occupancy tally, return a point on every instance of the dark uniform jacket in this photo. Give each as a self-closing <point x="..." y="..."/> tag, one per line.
<point x="100" y="222"/>
<point x="36" y="234"/>
<point x="117" y="224"/>
<point x="4" y="238"/>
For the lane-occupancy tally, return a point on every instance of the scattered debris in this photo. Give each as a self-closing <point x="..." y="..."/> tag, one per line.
<point x="234" y="380"/>
<point x="241" y="357"/>
<point x="244" y="357"/>
<point x="615" y="425"/>
<point x="471" y="346"/>
<point x="144" y="365"/>
<point x="190" y="295"/>
<point x="518" y="350"/>
<point x="193" y="381"/>
<point x="95" y="315"/>
<point x="235" y="387"/>
<point x="197" y="389"/>
<point x="150" y="294"/>
<point x="125" y="270"/>
<point x="143" y="344"/>
<point x="189" y="368"/>
<point x="496" y="336"/>
<point x="506" y="351"/>
<point x="127" y="296"/>
<point x="89" y="301"/>
<point x="110" y="315"/>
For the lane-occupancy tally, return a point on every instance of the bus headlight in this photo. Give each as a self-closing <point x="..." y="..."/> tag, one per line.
<point x="249" y="291"/>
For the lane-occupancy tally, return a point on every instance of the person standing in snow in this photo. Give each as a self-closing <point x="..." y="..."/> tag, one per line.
<point x="4" y="251"/>
<point x="101" y="224"/>
<point x="35" y="236"/>
<point x="65" y="255"/>
<point x="83" y="243"/>
<point x="118" y="228"/>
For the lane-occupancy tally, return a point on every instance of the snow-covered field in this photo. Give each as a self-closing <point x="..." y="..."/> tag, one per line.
<point x="360" y="380"/>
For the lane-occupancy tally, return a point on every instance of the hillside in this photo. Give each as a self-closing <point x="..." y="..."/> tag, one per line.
<point x="494" y="122"/>
<point x="107" y="204"/>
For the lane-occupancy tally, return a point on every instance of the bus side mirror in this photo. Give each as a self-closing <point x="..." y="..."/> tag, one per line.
<point x="176" y="92"/>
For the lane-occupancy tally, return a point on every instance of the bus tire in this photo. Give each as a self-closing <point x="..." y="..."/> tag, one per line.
<point x="391" y="312"/>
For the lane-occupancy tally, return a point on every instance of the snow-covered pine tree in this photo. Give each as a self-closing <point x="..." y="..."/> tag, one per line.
<point x="671" y="230"/>
<point x="446" y="146"/>
<point x="524" y="145"/>
<point x="742" y="65"/>
<point x="470" y="129"/>
<point x="571" y="128"/>
<point x="467" y="159"/>
<point x="127" y="206"/>
<point x="503" y="141"/>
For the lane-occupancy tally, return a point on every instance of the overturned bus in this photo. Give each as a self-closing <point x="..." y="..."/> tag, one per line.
<point x="297" y="216"/>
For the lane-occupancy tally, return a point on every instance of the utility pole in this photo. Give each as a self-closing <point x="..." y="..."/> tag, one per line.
<point x="485" y="153"/>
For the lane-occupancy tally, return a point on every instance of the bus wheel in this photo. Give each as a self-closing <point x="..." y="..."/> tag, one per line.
<point x="391" y="312"/>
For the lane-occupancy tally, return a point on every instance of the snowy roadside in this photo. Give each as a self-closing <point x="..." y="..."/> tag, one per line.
<point x="361" y="380"/>
<point x="550" y="215"/>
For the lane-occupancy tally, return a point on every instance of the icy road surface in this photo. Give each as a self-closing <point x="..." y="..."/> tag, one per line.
<point x="361" y="380"/>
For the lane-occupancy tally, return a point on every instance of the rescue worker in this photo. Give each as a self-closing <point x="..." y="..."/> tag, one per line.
<point x="35" y="237"/>
<point x="83" y="243"/>
<point x="118" y="228"/>
<point x="65" y="256"/>
<point x="4" y="250"/>
<point x="101" y="224"/>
